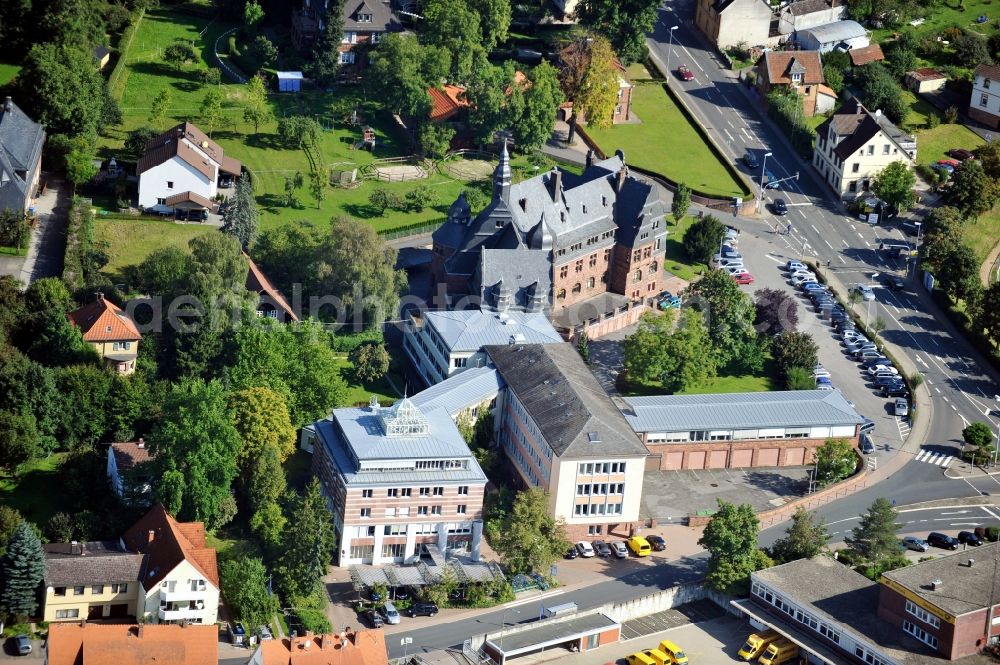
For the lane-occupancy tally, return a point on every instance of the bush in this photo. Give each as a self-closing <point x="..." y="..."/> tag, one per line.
<point x="951" y="115"/>
<point x="785" y="108"/>
<point x="993" y="533"/>
<point x="231" y="46"/>
<point x="210" y="76"/>
<point x="933" y="120"/>
<point x="348" y="341"/>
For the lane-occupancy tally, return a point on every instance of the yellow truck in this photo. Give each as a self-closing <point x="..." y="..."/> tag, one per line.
<point x="757" y="643"/>
<point x="677" y="655"/>
<point x="778" y="652"/>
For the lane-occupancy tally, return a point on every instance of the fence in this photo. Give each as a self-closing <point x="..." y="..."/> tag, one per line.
<point x="127" y="37"/>
<point x="407" y="231"/>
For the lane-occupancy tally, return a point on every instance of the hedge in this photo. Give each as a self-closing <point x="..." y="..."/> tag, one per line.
<point x="79" y="242"/>
<point x="347" y="342"/>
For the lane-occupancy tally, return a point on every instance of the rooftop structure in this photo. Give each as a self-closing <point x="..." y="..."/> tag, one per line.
<point x="86" y="643"/>
<point x="359" y="647"/>
<point x="21" y="141"/>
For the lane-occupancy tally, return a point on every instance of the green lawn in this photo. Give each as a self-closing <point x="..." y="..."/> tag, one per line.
<point x="946" y="14"/>
<point x="8" y="72"/>
<point x="358" y="393"/>
<point x="918" y="113"/>
<point x="129" y="241"/>
<point x="728" y="381"/>
<point x="13" y="251"/>
<point x="31" y="492"/>
<point x="665" y="142"/>
<point x="983" y="234"/>
<point x="677" y="261"/>
<point x="932" y="144"/>
<point x="637" y="71"/>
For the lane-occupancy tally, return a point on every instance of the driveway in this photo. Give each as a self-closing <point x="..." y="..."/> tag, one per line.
<point x="48" y="241"/>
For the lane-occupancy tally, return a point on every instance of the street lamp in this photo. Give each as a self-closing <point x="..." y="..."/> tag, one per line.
<point x="868" y="315"/>
<point x="503" y="622"/>
<point x="670" y="49"/>
<point x="914" y="259"/>
<point x="763" y="166"/>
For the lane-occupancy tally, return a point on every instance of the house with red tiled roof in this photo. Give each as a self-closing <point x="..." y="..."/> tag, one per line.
<point x="359" y="647"/>
<point x="801" y="71"/>
<point x="183" y="170"/>
<point x="866" y="54"/>
<point x="270" y="301"/>
<point x="110" y="331"/>
<point x="88" y="643"/>
<point x="447" y="102"/>
<point x="180" y="581"/>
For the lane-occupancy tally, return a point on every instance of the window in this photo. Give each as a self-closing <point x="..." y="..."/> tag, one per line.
<point x="366" y="512"/>
<point x="871" y="150"/>
<point x="564" y="272"/>
<point x="885" y="149"/>
<point x="422" y="510"/>
<point x="922" y="614"/>
<point x="118" y="588"/>
<point x="390" y="512"/>
<point x="393" y="550"/>
<point x="392" y="492"/>
<point x="425" y="491"/>
<point x="460" y="509"/>
<point x="438" y="491"/>
<point x="163" y="202"/>
<point x="855" y="167"/>
<point x="460" y="362"/>
<point x="657" y="243"/>
<point x="986" y="83"/>
<point x="808" y="89"/>
<point x="920" y="634"/>
<point x="590" y="282"/>
<point x="593" y="260"/>
<point x="435" y="510"/>
<point x="78" y="590"/>
<point x="376" y="37"/>
<point x="97" y="589"/>
<point x="364" y="18"/>
<point x="579" y="266"/>
<point x="796" y="78"/>
<point x="170" y="184"/>
<point x="984" y="100"/>
<point x="350" y="38"/>
<point x="347" y="58"/>
<point x="406" y="491"/>
<point x="577" y="288"/>
<point x="637" y="276"/>
<point x="561" y="294"/>
<point x="59" y="591"/>
<point x="67" y="614"/>
<point x="463" y="489"/>
<point x="595" y="529"/>
<point x="366" y="494"/>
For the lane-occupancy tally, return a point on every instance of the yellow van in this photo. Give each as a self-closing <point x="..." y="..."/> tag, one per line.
<point x="640" y="658"/>
<point x="757" y="643"/>
<point x="780" y="651"/>
<point x="639" y="546"/>
<point x="677" y="655"/>
<point x="659" y="657"/>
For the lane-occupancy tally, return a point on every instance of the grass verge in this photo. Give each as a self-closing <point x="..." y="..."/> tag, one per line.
<point x="361" y="393"/>
<point x="729" y="380"/>
<point x="677" y="260"/>
<point x="8" y="72"/>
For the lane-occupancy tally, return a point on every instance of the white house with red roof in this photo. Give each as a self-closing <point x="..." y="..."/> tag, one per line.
<point x="183" y="169"/>
<point x="110" y="331"/>
<point x="180" y="581"/>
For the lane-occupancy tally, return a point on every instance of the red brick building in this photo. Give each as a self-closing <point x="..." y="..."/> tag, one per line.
<point x="801" y="71"/>
<point x="365" y="23"/>
<point x="588" y="249"/>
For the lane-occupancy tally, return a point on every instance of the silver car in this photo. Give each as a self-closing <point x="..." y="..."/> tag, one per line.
<point x="915" y="544"/>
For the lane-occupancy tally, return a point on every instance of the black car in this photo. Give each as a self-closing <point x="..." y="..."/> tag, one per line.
<point x="750" y="159"/>
<point x="780" y="207"/>
<point x="894" y="283"/>
<point x="896" y="390"/>
<point x="866" y="445"/>
<point x="375" y="619"/>
<point x="423" y="609"/>
<point x="601" y="548"/>
<point x="657" y="543"/>
<point x="886" y="380"/>
<point x="571" y="553"/>
<point x="936" y="539"/>
<point x="969" y="538"/>
<point x="878" y="360"/>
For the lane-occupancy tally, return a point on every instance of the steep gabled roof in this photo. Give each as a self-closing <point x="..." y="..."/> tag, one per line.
<point x="100" y="562"/>
<point x="780" y="65"/>
<point x="180" y="141"/>
<point x="91" y="643"/>
<point x="447" y="101"/>
<point x="803" y="7"/>
<point x="991" y="72"/>
<point x="104" y="321"/>
<point x="129" y="454"/>
<point x="21" y="141"/>
<point x="864" y="55"/>
<point x="855" y="126"/>
<point x="258" y="282"/>
<point x="167" y="542"/>
<point x="383" y="18"/>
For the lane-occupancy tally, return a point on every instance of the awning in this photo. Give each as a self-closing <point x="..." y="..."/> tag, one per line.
<point x="231" y="166"/>
<point x="189" y="200"/>
<point x="548" y="633"/>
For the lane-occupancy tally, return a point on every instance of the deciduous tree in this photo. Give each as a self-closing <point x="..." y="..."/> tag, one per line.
<point x="729" y="313"/>
<point x="256" y="109"/>
<point x="260" y="416"/>
<point x="261" y="53"/>
<point x="776" y="311"/>
<point x="455" y="26"/>
<point x="529" y="538"/>
<point x="625" y="24"/>
<point x="682" y="201"/>
<point x="703" y="238"/>
<point x="21" y="570"/>
<point x="19" y="439"/>
<point x="135" y="143"/>
<point x="435" y="139"/>
<point x="9" y="521"/>
<point x="160" y="106"/>
<point x="179" y="54"/>
<point x="795" y="349"/>
<point x="645" y="352"/>
<point x="874" y="539"/>
<point x="835" y="460"/>
<point x="731" y="540"/>
<point x="542" y="98"/>
<point x="494" y="21"/>
<point x="253" y="14"/>
<point x="590" y="81"/>
<point x="971" y="49"/>
<point x="245" y="586"/>
<point x="804" y="538"/>
<point x="62" y="89"/>
<point x="371" y="362"/>
<point x="211" y="108"/>
<point x="689" y="353"/>
<point x="894" y="184"/>
<point x="980" y="437"/>
<point x="971" y="191"/>
<point x="881" y="91"/>
<point x="400" y="72"/>
<point x="988" y="318"/>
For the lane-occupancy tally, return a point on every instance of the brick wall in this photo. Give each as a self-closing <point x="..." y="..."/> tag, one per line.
<point x="787" y="453"/>
<point x="642" y="258"/>
<point x="581" y="278"/>
<point x="988" y="119"/>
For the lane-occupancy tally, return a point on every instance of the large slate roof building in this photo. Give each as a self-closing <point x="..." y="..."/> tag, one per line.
<point x="21" y="141"/>
<point x="588" y="249"/>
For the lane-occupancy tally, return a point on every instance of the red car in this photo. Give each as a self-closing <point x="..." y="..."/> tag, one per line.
<point x="744" y="278"/>
<point x="684" y="73"/>
<point x="950" y="162"/>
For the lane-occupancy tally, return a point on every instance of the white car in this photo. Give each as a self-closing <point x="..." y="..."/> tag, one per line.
<point x="585" y="549"/>
<point x="865" y="292"/>
<point x="792" y="266"/>
<point x="799" y="280"/>
<point x="727" y="263"/>
<point x="821" y="372"/>
<point x="882" y="369"/>
<point x="618" y="549"/>
<point x="736" y="270"/>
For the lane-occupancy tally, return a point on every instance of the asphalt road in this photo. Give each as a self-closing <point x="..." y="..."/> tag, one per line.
<point x="960" y="387"/>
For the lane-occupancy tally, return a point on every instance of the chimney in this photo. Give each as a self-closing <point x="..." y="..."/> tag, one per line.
<point x="970" y="563"/>
<point x="590" y="158"/>
<point x="8" y="105"/>
<point x="141" y="443"/>
<point x="556" y="179"/>
<point x="620" y="179"/>
<point x="150" y="537"/>
<point x="100" y="296"/>
<point x="937" y="585"/>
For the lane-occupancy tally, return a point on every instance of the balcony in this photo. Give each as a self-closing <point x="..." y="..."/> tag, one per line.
<point x="183" y="595"/>
<point x="181" y="614"/>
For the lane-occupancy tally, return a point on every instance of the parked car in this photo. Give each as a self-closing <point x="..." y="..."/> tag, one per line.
<point x="585" y="550"/>
<point x="815" y="286"/>
<point x="780" y="207"/>
<point x="823" y="381"/>
<point x="969" y="538"/>
<point x="880" y="368"/>
<point x="936" y="539"/>
<point x="792" y="266"/>
<point x="901" y="407"/>
<point x="750" y="159"/>
<point x="729" y="263"/>
<point x="265" y="633"/>
<point x="950" y="162"/>
<point x="618" y="549"/>
<point x="886" y="380"/>
<point x="601" y="548"/>
<point x="375" y="619"/>
<point x="668" y="300"/>
<point x="961" y="154"/>
<point x="423" y="609"/>
<point x="948" y="168"/>
<point x="23" y="645"/>
<point x="865" y="291"/>
<point x="799" y="280"/>
<point x="744" y="278"/>
<point x="896" y="390"/>
<point x="736" y="270"/>
<point x="657" y="543"/>
<point x="390" y="613"/>
<point x="820" y="371"/>
<point x="684" y="73"/>
<point x="571" y="553"/>
<point x="866" y="445"/>
<point x="865" y="354"/>
<point x="915" y="544"/>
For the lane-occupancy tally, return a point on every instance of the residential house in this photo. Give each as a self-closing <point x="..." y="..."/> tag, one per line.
<point x="90" y="580"/>
<point x="589" y="249"/>
<point x="402" y="477"/>
<point x="102" y="55"/>
<point x="271" y="303"/>
<point x="350" y="647"/>
<point x="925" y="79"/>
<point x="567" y="8"/>
<point x="728" y="23"/>
<point x="128" y="469"/>
<point x="865" y="55"/>
<point x="737" y="430"/>
<point x="564" y="435"/>
<point x="442" y="344"/>
<point x="180" y="581"/>
<point x="805" y="14"/>
<point x="85" y="643"/>
<point x="21" y="141"/>
<point x="448" y="102"/>
<point x="800" y="71"/>
<point x="183" y="170"/>
<point x="854" y="144"/>
<point x="843" y="35"/>
<point x="623" y="108"/>
<point x="984" y="105"/>
<point x="110" y="331"/>
<point x="365" y="23"/>
<point x="927" y="613"/>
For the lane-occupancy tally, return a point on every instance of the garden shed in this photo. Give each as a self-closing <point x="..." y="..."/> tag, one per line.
<point x="289" y="81"/>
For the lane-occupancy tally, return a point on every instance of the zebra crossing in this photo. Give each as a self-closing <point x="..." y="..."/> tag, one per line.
<point x="930" y="457"/>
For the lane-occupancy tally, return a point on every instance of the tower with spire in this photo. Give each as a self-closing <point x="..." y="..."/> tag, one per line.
<point x="502" y="176"/>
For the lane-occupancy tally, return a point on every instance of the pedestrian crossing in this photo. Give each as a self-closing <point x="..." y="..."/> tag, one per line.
<point x="930" y="457"/>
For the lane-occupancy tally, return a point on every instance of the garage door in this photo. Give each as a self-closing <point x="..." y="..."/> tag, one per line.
<point x="742" y="458"/>
<point x="695" y="460"/>
<point x="717" y="459"/>
<point x="794" y="456"/>
<point x="767" y="457"/>
<point x="672" y="461"/>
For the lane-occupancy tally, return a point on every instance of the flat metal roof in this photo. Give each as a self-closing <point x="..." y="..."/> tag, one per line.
<point x="549" y="632"/>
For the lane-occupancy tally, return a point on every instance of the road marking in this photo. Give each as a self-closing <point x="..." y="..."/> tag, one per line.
<point x="990" y="511"/>
<point x="958" y="512"/>
<point x="815" y="229"/>
<point x="938" y="459"/>
<point x="944" y="397"/>
<point x="774" y="258"/>
<point x="845" y="242"/>
<point x="731" y="139"/>
<point x="516" y="603"/>
<point x="828" y="244"/>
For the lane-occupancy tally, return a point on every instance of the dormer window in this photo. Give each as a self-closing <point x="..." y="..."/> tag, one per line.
<point x="796" y="78"/>
<point x="364" y="18"/>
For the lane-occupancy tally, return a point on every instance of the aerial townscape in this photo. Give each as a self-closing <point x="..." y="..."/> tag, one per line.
<point x="500" y="332"/>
